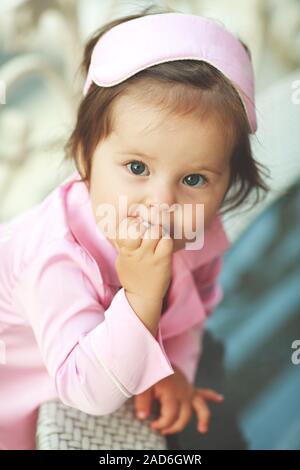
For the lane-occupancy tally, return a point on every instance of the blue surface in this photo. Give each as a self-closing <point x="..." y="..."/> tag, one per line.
<point x="247" y="345"/>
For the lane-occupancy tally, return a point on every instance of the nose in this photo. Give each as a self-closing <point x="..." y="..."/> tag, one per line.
<point x="160" y="204"/>
<point x="157" y="202"/>
<point x="162" y="201"/>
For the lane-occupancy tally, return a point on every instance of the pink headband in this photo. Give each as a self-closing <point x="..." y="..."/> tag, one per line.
<point x="139" y="43"/>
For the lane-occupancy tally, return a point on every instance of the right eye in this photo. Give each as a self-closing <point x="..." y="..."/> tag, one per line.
<point x="137" y="167"/>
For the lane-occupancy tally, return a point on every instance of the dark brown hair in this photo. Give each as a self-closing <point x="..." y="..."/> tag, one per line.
<point x="177" y="87"/>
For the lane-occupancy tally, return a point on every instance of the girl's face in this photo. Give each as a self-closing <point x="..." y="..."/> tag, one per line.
<point x="154" y="159"/>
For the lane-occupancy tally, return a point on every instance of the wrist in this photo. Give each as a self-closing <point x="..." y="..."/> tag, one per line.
<point x="154" y="299"/>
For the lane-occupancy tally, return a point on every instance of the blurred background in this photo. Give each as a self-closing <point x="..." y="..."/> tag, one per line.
<point x="248" y="342"/>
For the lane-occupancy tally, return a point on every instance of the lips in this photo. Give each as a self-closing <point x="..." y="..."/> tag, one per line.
<point x="145" y="222"/>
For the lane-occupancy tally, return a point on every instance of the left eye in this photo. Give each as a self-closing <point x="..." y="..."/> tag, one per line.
<point x="194" y="179"/>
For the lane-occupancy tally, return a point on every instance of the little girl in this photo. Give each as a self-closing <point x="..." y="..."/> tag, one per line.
<point x="94" y="316"/>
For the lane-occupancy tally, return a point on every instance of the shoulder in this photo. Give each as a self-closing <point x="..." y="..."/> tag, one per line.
<point x="62" y="269"/>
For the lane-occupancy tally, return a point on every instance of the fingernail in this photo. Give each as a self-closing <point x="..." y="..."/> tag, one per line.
<point x="141" y="414"/>
<point x="202" y="429"/>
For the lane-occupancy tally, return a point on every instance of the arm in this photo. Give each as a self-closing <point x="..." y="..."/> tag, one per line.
<point x="97" y="358"/>
<point x="184" y="350"/>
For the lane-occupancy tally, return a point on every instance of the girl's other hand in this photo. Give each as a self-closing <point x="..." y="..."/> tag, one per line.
<point x="178" y="398"/>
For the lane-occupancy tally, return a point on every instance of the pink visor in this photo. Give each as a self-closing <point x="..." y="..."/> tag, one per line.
<point x="137" y="44"/>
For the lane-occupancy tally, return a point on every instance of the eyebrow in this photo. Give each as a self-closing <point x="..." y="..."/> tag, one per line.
<point x="149" y="157"/>
<point x="139" y="154"/>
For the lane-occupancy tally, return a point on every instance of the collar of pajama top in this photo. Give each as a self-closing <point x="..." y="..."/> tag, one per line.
<point x="184" y="305"/>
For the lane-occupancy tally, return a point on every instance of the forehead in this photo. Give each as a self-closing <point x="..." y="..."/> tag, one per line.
<point x="138" y="123"/>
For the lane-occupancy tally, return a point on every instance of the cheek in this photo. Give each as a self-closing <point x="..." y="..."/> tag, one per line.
<point x="189" y="221"/>
<point x="196" y="218"/>
<point x="210" y="209"/>
<point x="214" y="199"/>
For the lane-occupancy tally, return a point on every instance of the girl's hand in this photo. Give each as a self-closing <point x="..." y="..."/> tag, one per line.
<point x="177" y="400"/>
<point x="144" y="261"/>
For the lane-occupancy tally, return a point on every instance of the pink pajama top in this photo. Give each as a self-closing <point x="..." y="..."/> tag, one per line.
<point x="67" y="330"/>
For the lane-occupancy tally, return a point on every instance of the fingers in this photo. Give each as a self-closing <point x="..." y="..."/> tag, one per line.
<point x="202" y="412"/>
<point x="151" y="237"/>
<point x="201" y="407"/>
<point x="185" y="414"/>
<point x="129" y="233"/>
<point x="142" y="404"/>
<point x="133" y="233"/>
<point x="175" y="415"/>
<point x="164" y="246"/>
<point x="211" y="395"/>
<point x="169" y="409"/>
<point x="157" y="240"/>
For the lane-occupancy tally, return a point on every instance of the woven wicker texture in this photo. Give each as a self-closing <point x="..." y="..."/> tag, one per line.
<point x="65" y="428"/>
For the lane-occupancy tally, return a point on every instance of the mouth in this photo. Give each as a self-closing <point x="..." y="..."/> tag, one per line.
<point x="147" y="224"/>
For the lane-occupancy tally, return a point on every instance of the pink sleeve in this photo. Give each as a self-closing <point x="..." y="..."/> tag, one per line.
<point x="98" y="358"/>
<point x="184" y="350"/>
